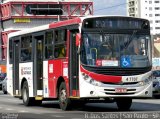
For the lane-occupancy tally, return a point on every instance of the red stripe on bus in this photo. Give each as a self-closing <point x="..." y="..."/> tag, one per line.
<point x="65" y="23"/>
<point x="101" y="77"/>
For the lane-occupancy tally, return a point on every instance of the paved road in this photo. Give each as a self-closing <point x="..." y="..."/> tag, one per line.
<point x="13" y="108"/>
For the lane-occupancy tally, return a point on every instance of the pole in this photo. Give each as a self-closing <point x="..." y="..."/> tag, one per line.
<point x="58" y="15"/>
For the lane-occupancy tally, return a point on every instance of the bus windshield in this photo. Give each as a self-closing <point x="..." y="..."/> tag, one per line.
<point x="115" y="50"/>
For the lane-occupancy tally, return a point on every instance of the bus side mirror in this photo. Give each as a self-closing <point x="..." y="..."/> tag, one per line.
<point x="78" y="39"/>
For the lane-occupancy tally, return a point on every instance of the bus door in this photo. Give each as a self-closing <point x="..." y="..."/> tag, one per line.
<point x="38" y="64"/>
<point x="16" y="52"/>
<point x="73" y="64"/>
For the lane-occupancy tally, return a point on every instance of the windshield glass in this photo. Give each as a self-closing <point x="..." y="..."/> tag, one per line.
<point x="116" y="50"/>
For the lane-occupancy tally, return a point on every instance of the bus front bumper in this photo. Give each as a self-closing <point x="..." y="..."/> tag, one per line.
<point x="133" y="91"/>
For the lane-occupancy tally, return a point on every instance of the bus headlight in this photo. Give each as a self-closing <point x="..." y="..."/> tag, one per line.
<point x="146" y="81"/>
<point x="90" y="80"/>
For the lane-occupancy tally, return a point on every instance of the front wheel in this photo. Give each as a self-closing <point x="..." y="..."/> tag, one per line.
<point x="64" y="101"/>
<point x="124" y="104"/>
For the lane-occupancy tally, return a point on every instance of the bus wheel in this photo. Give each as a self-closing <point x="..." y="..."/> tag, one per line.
<point x="124" y="104"/>
<point x="4" y="90"/>
<point x="25" y="95"/>
<point x="64" y="101"/>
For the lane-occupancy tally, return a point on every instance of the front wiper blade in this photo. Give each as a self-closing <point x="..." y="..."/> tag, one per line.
<point x="126" y="44"/>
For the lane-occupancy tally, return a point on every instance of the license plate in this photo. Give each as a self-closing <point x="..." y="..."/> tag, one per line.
<point x="120" y="90"/>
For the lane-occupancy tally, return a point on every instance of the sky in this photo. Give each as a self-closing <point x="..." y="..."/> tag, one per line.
<point x="109" y="7"/>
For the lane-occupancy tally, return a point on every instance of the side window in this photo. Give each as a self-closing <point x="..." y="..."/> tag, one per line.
<point x="49" y="45"/>
<point x="60" y="51"/>
<point x="26" y="48"/>
<point x="10" y="51"/>
<point x="60" y="44"/>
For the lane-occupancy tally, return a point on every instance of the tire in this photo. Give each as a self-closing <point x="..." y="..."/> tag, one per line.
<point x="4" y="91"/>
<point x="27" y="101"/>
<point x="64" y="101"/>
<point x="124" y="104"/>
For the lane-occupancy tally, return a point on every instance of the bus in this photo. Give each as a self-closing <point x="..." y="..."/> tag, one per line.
<point x="80" y="60"/>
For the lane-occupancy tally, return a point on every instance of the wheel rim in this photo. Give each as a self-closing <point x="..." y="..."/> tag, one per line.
<point x="25" y="94"/>
<point x="63" y="97"/>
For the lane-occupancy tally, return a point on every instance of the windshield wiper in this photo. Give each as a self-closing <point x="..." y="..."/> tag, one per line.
<point x="130" y="39"/>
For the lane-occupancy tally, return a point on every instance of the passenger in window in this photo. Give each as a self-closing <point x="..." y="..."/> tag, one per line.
<point x="25" y="55"/>
<point x="59" y="52"/>
<point x="134" y="46"/>
<point x="62" y="52"/>
<point x="131" y="46"/>
<point x="105" y="52"/>
<point x="107" y="48"/>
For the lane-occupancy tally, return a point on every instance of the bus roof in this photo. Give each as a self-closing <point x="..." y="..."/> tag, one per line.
<point x="76" y="20"/>
<point x="45" y="27"/>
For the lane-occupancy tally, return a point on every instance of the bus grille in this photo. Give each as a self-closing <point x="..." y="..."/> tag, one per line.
<point x="123" y="83"/>
<point x="119" y="93"/>
<point x="118" y="71"/>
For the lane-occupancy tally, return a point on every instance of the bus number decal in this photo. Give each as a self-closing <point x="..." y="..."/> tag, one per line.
<point x="132" y="79"/>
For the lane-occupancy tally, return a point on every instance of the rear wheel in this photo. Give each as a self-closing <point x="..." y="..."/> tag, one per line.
<point x="25" y="95"/>
<point x="64" y="101"/>
<point x="4" y="90"/>
<point x="124" y="104"/>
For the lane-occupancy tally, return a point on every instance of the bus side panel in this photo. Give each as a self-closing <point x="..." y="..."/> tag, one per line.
<point x="54" y="72"/>
<point x="10" y="79"/>
<point x="56" y="69"/>
<point x="45" y="80"/>
<point x="26" y="71"/>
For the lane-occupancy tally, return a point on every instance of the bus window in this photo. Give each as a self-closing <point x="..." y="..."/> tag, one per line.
<point x="60" y="44"/>
<point x="26" y="48"/>
<point x="49" y="45"/>
<point x="60" y="36"/>
<point x="60" y="51"/>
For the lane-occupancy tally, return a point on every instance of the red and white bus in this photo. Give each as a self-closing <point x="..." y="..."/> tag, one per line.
<point x="97" y="58"/>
